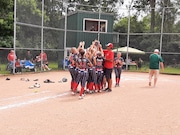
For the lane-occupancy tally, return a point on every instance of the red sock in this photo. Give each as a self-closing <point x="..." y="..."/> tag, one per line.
<point x="91" y="85"/>
<point x="82" y="91"/>
<point x="75" y="85"/>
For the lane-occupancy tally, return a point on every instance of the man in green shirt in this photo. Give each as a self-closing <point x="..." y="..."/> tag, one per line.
<point x="155" y="60"/>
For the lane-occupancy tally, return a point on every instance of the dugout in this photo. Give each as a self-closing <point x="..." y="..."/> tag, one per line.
<point x="86" y="26"/>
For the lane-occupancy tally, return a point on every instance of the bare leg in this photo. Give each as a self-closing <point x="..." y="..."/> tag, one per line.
<point x="150" y="77"/>
<point x="110" y="83"/>
<point x="155" y="81"/>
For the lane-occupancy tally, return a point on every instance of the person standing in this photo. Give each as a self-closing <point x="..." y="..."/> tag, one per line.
<point x="43" y="57"/>
<point x="11" y="56"/>
<point x="98" y="63"/>
<point x="18" y="66"/>
<point x="108" y="65"/>
<point x="139" y="63"/>
<point x="72" y="66"/>
<point x="118" y="63"/>
<point x="82" y="75"/>
<point x="155" y="60"/>
<point x="11" y="59"/>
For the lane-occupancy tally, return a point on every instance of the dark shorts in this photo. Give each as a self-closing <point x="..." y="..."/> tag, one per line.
<point x="108" y="73"/>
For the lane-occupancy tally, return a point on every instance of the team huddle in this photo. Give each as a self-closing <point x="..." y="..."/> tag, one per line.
<point x="92" y="68"/>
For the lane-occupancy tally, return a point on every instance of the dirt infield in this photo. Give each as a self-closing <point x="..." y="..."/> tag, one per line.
<point x="134" y="108"/>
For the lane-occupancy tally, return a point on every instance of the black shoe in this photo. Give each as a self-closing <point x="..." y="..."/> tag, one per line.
<point x="108" y="90"/>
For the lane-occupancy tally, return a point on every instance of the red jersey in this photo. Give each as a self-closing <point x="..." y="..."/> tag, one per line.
<point x="43" y="56"/>
<point x="18" y="64"/>
<point x="11" y="57"/>
<point x="109" y="54"/>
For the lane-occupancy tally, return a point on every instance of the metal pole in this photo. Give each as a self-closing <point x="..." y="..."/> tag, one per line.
<point x="162" y="29"/>
<point x="99" y="23"/>
<point x="128" y="37"/>
<point x="42" y="31"/>
<point x="65" y="34"/>
<point x="14" y="46"/>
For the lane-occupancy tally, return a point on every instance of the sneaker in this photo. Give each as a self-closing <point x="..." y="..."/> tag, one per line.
<point x="73" y="93"/>
<point x="117" y="85"/>
<point x="80" y="97"/>
<point x="99" y="91"/>
<point x="108" y="90"/>
<point x="87" y="91"/>
<point x="105" y="89"/>
<point x="91" y="92"/>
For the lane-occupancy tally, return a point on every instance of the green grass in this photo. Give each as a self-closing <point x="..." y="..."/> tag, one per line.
<point x="54" y="66"/>
<point x="3" y="70"/>
<point x="167" y="70"/>
<point x="172" y="70"/>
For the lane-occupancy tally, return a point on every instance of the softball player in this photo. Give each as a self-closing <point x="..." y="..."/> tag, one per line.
<point x="82" y="65"/>
<point x="72" y="66"/>
<point x="118" y="63"/>
<point x="91" y="71"/>
<point x="98" y="62"/>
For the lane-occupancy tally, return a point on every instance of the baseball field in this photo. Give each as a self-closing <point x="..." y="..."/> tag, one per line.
<point x="134" y="108"/>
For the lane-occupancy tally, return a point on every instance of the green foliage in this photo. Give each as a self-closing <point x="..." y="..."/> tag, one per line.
<point x="107" y="6"/>
<point x="6" y="41"/>
<point x="6" y="18"/>
<point x="135" y="25"/>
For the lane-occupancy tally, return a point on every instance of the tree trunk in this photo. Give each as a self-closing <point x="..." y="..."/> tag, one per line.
<point x="152" y="3"/>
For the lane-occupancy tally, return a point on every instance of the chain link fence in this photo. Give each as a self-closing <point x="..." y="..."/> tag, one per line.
<point x="55" y="26"/>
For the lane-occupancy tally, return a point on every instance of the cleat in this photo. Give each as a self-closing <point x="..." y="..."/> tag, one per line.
<point x="80" y="97"/>
<point x="108" y="90"/>
<point x="73" y="93"/>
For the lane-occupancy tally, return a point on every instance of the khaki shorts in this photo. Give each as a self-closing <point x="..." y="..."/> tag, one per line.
<point x="154" y="72"/>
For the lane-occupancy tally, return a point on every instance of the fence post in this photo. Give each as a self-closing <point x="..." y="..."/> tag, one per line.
<point x="14" y="46"/>
<point x="65" y="34"/>
<point x="42" y="32"/>
<point x="162" y="29"/>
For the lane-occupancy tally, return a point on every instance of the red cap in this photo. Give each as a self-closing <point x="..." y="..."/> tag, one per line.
<point x="109" y="45"/>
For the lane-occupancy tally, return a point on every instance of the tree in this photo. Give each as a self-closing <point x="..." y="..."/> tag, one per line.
<point x="6" y="23"/>
<point x="107" y="6"/>
<point x="144" y="5"/>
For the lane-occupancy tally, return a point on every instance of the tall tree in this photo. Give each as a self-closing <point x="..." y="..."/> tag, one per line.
<point x="6" y="22"/>
<point x="92" y="5"/>
<point x="144" y="6"/>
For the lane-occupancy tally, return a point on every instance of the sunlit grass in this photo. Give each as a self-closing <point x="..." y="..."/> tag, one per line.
<point x="145" y="68"/>
<point x="167" y="70"/>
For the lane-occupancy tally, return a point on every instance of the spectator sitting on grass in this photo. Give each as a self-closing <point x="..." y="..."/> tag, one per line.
<point x="18" y="66"/>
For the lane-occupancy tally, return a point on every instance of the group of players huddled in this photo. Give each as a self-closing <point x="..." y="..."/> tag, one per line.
<point x="92" y="68"/>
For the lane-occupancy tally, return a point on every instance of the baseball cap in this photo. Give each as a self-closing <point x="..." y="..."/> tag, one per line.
<point x="109" y="45"/>
<point x="156" y="50"/>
